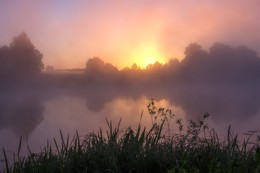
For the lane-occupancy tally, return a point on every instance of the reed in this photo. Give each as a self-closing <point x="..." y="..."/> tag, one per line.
<point x="195" y="148"/>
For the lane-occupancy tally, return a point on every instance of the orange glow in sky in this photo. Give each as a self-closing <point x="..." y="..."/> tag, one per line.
<point x="147" y="54"/>
<point x="68" y="33"/>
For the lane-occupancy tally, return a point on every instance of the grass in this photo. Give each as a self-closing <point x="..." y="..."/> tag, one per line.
<point x="192" y="149"/>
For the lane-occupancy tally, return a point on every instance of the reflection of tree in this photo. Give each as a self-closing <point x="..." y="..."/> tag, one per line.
<point x="222" y="103"/>
<point x="22" y="114"/>
<point x="222" y="81"/>
<point x="98" y="97"/>
<point x="96" y="105"/>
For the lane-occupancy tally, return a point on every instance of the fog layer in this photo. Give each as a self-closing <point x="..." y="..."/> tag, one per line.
<point x="222" y="81"/>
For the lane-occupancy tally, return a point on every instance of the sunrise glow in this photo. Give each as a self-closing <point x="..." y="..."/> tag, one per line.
<point x="69" y="33"/>
<point x="147" y="54"/>
<point x="166" y="81"/>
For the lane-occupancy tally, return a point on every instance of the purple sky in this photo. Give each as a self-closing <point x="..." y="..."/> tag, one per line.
<point x="68" y="32"/>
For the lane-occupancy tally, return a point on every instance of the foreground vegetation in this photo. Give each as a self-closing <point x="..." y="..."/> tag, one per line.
<point x="193" y="148"/>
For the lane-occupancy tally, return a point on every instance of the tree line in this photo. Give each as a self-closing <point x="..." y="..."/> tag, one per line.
<point x="21" y="63"/>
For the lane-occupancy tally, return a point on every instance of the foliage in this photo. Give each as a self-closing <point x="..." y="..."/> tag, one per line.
<point x="194" y="148"/>
<point x="19" y="61"/>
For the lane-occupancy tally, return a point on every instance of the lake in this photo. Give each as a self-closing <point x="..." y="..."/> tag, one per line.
<point x="38" y="115"/>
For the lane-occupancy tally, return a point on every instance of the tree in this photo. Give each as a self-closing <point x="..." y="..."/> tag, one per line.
<point x="4" y="61"/>
<point x="26" y="59"/>
<point x="100" y="72"/>
<point x="19" y="62"/>
<point x="95" y="65"/>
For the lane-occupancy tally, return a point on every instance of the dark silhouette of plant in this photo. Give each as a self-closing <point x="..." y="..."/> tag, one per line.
<point x="19" y="61"/>
<point x="26" y="59"/>
<point x="143" y="150"/>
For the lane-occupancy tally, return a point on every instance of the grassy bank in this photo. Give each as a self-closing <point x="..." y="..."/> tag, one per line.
<point x="194" y="148"/>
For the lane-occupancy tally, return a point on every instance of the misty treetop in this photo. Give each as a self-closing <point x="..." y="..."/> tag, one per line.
<point x="224" y="79"/>
<point x="19" y="60"/>
<point x="21" y="56"/>
<point x="220" y="65"/>
<point x="99" y="71"/>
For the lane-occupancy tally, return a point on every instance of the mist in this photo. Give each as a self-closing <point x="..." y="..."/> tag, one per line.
<point x="68" y="33"/>
<point x="72" y="66"/>
<point x="222" y="81"/>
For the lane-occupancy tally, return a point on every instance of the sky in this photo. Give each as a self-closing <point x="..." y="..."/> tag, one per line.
<point x="69" y="32"/>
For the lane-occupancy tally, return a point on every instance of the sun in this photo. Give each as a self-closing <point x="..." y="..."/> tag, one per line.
<point x="147" y="54"/>
<point x="149" y="60"/>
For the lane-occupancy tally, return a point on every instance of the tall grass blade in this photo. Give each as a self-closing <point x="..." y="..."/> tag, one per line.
<point x="19" y="148"/>
<point x="77" y="139"/>
<point x="6" y="162"/>
<point x="62" y="139"/>
<point x="56" y="144"/>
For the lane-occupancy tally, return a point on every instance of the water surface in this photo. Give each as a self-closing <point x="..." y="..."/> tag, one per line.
<point x="38" y="115"/>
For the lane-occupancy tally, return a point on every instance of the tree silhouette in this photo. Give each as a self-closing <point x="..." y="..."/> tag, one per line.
<point x="5" y="64"/>
<point x="26" y="58"/>
<point x="97" y="71"/>
<point x="19" y="60"/>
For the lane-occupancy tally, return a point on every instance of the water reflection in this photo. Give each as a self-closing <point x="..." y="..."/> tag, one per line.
<point x="40" y="114"/>
<point x="20" y="113"/>
<point x="221" y="102"/>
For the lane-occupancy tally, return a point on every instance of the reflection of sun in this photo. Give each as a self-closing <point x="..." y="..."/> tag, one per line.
<point x="147" y="54"/>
